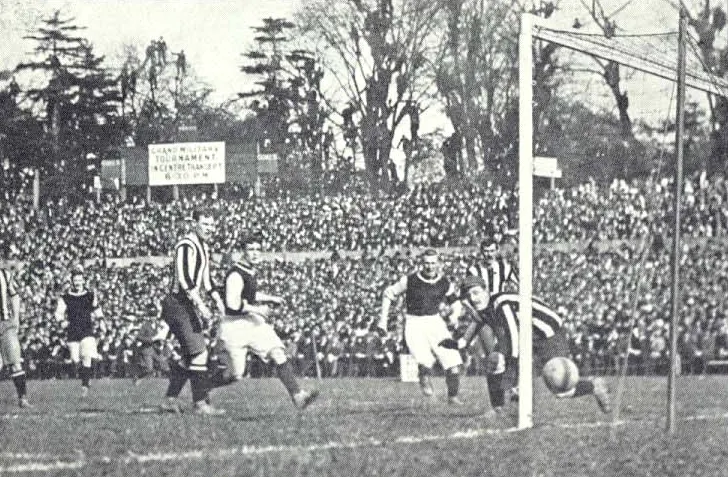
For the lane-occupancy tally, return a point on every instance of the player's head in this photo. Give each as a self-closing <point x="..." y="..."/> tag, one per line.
<point x="489" y="247"/>
<point x="474" y="290"/>
<point x="78" y="281"/>
<point x="252" y="245"/>
<point x="430" y="263"/>
<point x="204" y="222"/>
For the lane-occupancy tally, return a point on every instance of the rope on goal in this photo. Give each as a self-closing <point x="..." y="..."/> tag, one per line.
<point x="644" y="248"/>
<point x="646" y="244"/>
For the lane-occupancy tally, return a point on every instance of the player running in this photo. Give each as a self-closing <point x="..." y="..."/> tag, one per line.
<point x="550" y="346"/>
<point x="427" y="294"/>
<point x="80" y="307"/>
<point x="245" y="326"/>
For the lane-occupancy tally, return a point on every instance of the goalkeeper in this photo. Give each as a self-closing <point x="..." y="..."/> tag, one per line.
<point x="550" y="347"/>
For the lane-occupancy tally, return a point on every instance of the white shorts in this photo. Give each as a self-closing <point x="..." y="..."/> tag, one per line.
<point x="423" y="334"/>
<point x="243" y="334"/>
<point x="84" y="350"/>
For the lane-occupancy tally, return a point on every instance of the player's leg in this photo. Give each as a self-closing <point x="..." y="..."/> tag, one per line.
<point x="176" y="318"/>
<point x="436" y="332"/>
<point x="87" y="352"/>
<point x="415" y="335"/>
<point x="10" y="354"/>
<point x="74" y="354"/>
<point x="232" y="350"/>
<point x="143" y="362"/>
<point x="266" y="344"/>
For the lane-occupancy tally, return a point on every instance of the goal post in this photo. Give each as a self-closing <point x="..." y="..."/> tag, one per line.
<point x="620" y="49"/>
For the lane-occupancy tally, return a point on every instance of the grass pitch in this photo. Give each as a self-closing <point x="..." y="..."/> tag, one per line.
<point x="358" y="427"/>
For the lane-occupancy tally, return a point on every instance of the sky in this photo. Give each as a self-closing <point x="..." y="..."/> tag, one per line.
<point x="214" y="33"/>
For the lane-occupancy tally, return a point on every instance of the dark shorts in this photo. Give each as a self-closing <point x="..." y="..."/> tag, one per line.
<point x="184" y="324"/>
<point x="546" y="349"/>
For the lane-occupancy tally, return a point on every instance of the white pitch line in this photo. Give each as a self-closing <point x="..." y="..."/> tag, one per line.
<point x="223" y="454"/>
<point x="41" y="467"/>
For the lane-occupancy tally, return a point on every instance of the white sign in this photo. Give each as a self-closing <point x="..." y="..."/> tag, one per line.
<point x="546" y="167"/>
<point x="187" y="163"/>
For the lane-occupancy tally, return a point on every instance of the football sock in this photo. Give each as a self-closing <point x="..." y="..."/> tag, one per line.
<point x="177" y="380"/>
<point x="85" y="374"/>
<point x="285" y="374"/>
<point x="19" y="381"/>
<point x="424" y="371"/>
<point x="200" y="384"/>
<point x="220" y="377"/>
<point x="452" y="380"/>
<point x="495" y="390"/>
<point x="584" y="387"/>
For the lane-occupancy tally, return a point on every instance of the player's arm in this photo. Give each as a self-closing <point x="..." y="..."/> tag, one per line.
<point x="270" y="299"/>
<point x="452" y="308"/>
<point x="61" y="307"/>
<point x="390" y="294"/>
<point x="97" y="311"/>
<point x="14" y="301"/>
<point x="234" y="286"/>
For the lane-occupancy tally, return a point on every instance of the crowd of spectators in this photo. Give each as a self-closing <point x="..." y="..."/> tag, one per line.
<point x="355" y="218"/>
<point x="332" y="302"/>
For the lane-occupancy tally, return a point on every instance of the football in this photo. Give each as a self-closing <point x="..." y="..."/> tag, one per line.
<point x="560" y="375"/>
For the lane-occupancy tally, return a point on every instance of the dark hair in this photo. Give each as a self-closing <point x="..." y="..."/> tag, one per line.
<point x="429" y="253"/>
<point x="249" y="238"/>
<point x="200" y="212"/>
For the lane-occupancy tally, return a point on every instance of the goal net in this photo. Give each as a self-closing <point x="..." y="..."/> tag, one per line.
<point x="638" y="201"/>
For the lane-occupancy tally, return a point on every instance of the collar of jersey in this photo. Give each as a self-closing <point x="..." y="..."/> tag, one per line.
<point x="245" y="266"/>
<point x="82" y="292"/>
<point x="429" y="280"/>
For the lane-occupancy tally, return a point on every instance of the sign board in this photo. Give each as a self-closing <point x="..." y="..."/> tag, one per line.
<point x="268" y="163"/>
<point x="546" y="167"/>
<point x="186" y="163"/>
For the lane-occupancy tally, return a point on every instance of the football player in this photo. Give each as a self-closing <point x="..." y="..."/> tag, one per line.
<point x="428" y="295"/>
<point x="550" y="346"/>
<point x="246" y="328"/>
<point x="79" y="307"/>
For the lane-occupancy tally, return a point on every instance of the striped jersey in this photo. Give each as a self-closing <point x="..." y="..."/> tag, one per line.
<point x="191" y="265"/>
<point x="8" y="289"/>
<point x="497" y="273"/>
<point x="502" y="316"/>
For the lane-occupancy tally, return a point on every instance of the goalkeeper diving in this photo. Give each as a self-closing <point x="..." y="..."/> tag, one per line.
<point x="499" y="313"/>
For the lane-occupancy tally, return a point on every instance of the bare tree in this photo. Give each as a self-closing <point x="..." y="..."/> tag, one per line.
<point x="376" y="52"/>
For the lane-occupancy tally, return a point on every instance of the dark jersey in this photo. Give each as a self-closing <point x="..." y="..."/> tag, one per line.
<point x="79" y="310"/>
<point x="502" y="316"/>
<point x="241" y="285"/>
<point x="423" y="297"/>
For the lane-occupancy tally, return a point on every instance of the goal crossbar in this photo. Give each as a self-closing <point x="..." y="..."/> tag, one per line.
<point x="624" y="50"/>
<point x="659" y="62"/>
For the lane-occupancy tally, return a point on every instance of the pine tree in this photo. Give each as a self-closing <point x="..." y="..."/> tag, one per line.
<point x="288" y="103"/>
<point x="78" y="104"/>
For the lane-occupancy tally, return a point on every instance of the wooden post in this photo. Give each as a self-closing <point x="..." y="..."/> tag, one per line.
<point x="525" y="225"/>
<point x="676" y="247"/>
